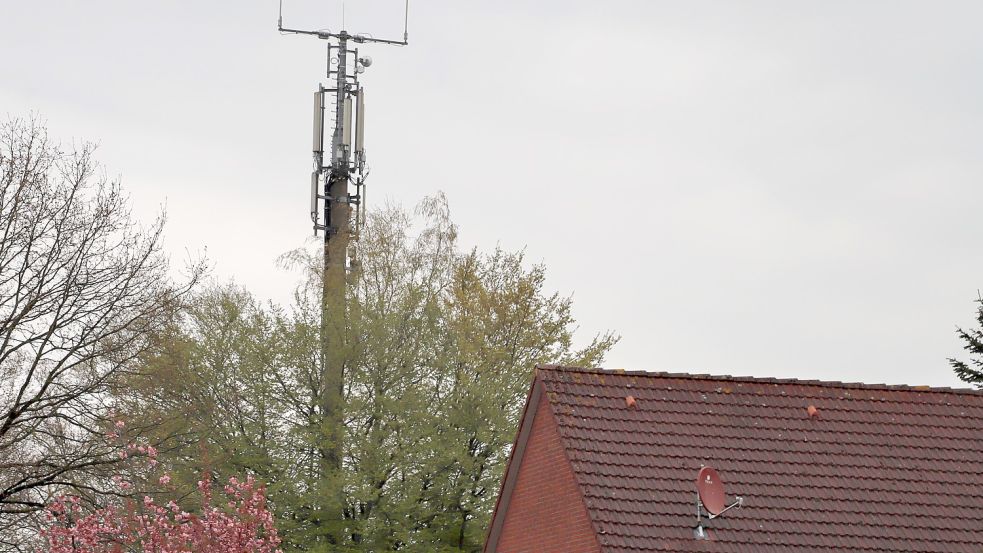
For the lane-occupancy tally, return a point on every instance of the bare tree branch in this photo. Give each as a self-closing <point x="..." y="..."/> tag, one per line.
<point x="82" y="289"/>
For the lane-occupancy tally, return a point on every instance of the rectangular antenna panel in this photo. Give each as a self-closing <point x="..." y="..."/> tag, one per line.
<point x="346" y="123"/>
<point x="319" y="121"/>
<point x="360" y="122"/>
<point x="314" y="183"/>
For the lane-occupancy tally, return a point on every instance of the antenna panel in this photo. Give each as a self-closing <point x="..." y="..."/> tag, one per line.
<point x="360" y="122"/>
<point x="319" y="121"/>
<point x="346" y="123"/>
<point x="314" y="183"/>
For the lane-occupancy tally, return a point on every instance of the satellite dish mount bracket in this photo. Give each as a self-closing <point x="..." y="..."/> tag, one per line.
<point x="700" y="509"/>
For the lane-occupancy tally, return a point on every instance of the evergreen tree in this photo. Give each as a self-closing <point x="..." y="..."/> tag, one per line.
<point x="971" y="372"/>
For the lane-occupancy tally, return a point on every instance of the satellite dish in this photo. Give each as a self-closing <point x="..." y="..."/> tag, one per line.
<point x="710" y="493"/>
<point x="711" y="489"/>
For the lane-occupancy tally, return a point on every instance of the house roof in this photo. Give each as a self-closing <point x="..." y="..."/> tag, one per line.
<point x="873" y="468"/>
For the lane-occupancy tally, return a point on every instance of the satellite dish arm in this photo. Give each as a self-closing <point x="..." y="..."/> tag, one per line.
<point x="739" y="503"/>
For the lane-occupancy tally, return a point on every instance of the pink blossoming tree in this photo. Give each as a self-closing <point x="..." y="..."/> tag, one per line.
<point x="242" y="525"/>
<point x="239" y="523"/>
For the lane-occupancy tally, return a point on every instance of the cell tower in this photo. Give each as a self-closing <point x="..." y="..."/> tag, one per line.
<point x="332" y="201"/>
<point x="347" y="100"/>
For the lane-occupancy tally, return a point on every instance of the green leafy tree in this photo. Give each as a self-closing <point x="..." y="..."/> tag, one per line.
<point x="971" y="372"/>
<point x="441" y="345"/>
<point x="444" y="346"/>
<point x="212" y="395"/>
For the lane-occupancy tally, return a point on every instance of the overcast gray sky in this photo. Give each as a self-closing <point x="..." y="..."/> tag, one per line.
<point x="758" y="188"/>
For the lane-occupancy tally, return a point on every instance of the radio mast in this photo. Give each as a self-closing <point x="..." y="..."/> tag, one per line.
<point x="338" y="186"/>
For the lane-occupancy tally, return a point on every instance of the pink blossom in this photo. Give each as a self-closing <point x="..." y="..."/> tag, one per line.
<point x="246" y="528"/>
<point x="244" y="525"/>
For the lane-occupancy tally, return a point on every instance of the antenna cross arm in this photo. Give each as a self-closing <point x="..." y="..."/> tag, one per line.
<point x="354" y="38"/>
<point x="320" y="34"/>
<point x="361" y="38"/>
<point x="344" y="34"/>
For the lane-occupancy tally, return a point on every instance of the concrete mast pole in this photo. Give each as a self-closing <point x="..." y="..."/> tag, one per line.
<point x="337" y="214"/>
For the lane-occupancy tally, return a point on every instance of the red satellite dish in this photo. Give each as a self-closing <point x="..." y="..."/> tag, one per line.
<point x="711" y="490"/>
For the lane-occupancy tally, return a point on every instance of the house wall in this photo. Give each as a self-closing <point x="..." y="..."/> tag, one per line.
<point x="546" y="513"/>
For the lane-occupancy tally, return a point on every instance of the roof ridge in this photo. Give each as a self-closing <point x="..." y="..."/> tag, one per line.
<point x="765" y="380"/>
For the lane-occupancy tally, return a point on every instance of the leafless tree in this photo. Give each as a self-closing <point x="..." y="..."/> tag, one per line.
<point x="82" y="289"/>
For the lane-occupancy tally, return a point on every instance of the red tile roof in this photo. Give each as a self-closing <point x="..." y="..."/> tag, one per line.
<point x="877" y="469"/>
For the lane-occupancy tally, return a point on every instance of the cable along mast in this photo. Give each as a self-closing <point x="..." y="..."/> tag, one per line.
<point x="337" y="211"/>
